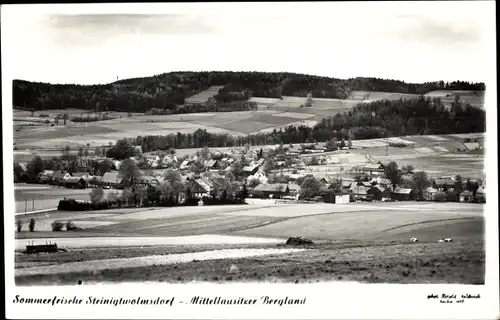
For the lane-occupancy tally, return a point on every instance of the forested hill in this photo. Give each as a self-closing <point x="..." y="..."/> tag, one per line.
<point x="169" y="90"/>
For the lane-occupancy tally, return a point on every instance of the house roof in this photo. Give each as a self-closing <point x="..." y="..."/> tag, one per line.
<point x="472" y="145"/>
<point x="481" y="190"/>
<point x="47" y="173"/>
<point x="210" y="163"/>
<point x="59" y="174"/>
<point x="74" y="180"/>
<point x="294" y="187"/>
<point x="372" y="166"/>
<point x="271" y="187"/>
<point x="444" y="181"/>
<point x="466" y="193"/>
<point x="360" y="190"/>
<point x="250" y="168"/>
<point x="378" y="187"/>
<point x="23" y="166"/>
<point x="111" y="177"/>
<point x="202" y="185"/>
<point x="430" y="190"/>
<point x="346" y="184"/>
<point x="399" y="190"/>
<point x="80" y="174"/>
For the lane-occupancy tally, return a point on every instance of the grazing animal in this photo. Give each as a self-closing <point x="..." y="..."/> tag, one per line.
<point x="414" y="239"/>
<point x="441" y="240"/>
<point x="447" y="240"/>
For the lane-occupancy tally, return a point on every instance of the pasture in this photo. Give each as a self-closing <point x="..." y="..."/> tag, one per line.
<point x="359" y="242"/>
<point x="203" y="96"/>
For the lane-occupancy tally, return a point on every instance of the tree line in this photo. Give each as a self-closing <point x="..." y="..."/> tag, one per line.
<point x="168" y="91"/>
<point x="373" y="120"/>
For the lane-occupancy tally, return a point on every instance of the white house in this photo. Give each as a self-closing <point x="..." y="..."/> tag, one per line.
<point x="259" y="175"/>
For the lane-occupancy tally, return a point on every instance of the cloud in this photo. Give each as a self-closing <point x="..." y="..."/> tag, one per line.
<point x="87" y="29"/>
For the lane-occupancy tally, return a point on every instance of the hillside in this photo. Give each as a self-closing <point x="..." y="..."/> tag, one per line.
<point x="170" y="91"/>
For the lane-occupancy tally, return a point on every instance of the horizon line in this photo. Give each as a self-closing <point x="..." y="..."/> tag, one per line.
<point x="232" y="71"/>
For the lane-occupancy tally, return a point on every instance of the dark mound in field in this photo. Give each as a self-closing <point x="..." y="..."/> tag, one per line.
<point x="298" y="241"/>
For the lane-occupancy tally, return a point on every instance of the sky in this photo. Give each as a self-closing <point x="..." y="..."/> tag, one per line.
<point x="96" y="43"/>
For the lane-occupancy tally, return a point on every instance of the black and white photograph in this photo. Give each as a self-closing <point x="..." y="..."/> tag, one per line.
<point x="262" y="143"/>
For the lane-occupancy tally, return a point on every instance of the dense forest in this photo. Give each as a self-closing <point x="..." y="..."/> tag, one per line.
<point x="168" y="91"/>
<point x="391" y="118"/>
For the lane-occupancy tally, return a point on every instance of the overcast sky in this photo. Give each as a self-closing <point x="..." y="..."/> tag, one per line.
<point x="89" y="44"/>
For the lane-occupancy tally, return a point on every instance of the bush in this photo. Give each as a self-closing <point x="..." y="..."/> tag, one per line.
<point x="398" y="144"/>
<point x="19" y="225"/>
<point x="32" y="224"/>
<point x="57" y="226"/>
<point x="210" y="201"/>
<point x="70" y="226"/>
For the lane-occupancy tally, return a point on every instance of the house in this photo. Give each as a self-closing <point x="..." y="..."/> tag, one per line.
<point x="251" y="170"/>
<point x="151" y="181"/>
<point x="466" y="196"/>
<point x="293" y="191"/>
<point x="430" y="193"/>
<point x="59" y="176"/>
<point x="95" y="181"/>
<point x="212" y="164"/>
<point x="472" y="146"/>
<point x="404" y="194"/>
<point x="481" y="194"/>
<point x="75" y="183"/>
<point x="199" y="188"/>
<point x="259" y="175"/>
<point x="346" y="184"/>
<point x="46" y="176"/>
<point x="373" y="168"/>
<point x="444" y="184"/>
<point x="367" y="184"/>
<point x="378" y="192"/>
<point x="84" y="175"/>
<point x="186" y="163"/>
<point x="271" y="190"/>
<point x="360" y="192"/>
<point x="112" y="179"/>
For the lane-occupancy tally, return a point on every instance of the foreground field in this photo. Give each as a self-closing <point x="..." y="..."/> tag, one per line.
<point x="357" y="242"/>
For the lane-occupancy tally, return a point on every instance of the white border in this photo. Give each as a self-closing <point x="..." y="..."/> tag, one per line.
<point x="324" y="300"/>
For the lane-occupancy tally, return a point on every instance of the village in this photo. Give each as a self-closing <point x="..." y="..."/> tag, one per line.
<point x="281" y="174"/>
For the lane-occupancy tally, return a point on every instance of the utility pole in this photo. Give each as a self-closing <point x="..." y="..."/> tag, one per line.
<point x="33" y="203"/>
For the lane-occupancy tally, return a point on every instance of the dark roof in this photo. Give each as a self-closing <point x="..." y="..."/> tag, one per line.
<point x="442" y="182"/>
<point x="74" y="180"/>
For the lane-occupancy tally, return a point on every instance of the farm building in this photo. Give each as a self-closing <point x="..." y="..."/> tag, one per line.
<point x="337" y="198"/>
<point x="346" y="184"/>
<point x="251" y="170"/>
<point x="212" y="164"/>
<point x="271" y="190"/>
<point x="466" y="196"/>
<point x="75" y="183"/>
<point x="472" y="146"/>
<point x="360" y="192"/>
<point x="259" y="175"/>
<point x="59" y="176"/>
<point x="84" y="175"/>
<point x="364" y="184"/>
<point x="373" y="168"/>
<point x="151" y="181"/>
<point x="199" y="188"/>
<point x="481" y="194"/>
<point x="430" y="193"/>
<point x="95" y="181"/>
<point x="444" y="184"/>
<point x="404" y="194"/>
<point x="378" y="192"/>
<point x="112" y="179"/>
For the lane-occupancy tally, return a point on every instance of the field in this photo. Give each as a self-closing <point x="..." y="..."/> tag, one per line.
<point x="474" y="98"/>
<point x="354" y="242"/>
<point x="203" y="96"/>
<point x="30" y="198"/>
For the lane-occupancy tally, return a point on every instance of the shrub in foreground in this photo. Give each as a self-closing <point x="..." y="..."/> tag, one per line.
<point x="32" y="224"/>
<point x="57" y="226"/>
<point x="70" y="226"/>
